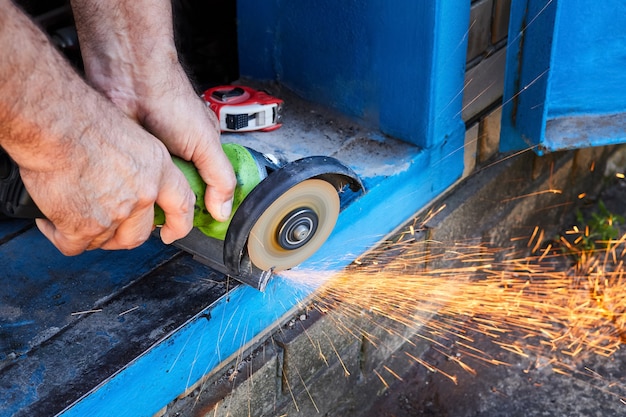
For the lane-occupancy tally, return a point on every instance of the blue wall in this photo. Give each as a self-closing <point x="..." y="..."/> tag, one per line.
<point x="566" y="75"/>
<point x="396" y="65"/>
<point x="589" y="61"/>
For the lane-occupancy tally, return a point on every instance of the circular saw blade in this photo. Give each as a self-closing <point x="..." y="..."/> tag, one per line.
<point x="313" y="196"/>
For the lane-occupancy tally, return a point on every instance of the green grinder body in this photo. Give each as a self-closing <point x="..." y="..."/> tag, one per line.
<point x="249" y="173"/>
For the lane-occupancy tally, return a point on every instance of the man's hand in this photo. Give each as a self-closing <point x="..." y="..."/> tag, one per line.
<point x="103" y="196"/>
<point x="129" y="55"/>
<point x="92" y="170"/>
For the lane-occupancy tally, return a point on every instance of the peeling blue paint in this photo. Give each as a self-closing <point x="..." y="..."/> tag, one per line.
<point x="36" y="275"/>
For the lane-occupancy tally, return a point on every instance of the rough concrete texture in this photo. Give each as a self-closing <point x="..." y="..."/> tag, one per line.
<point x="525" y="388"/>
<point x="332" y="365"/>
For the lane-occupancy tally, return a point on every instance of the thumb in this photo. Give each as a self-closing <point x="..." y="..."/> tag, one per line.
<point x="177" y="202"/>
<point x="218" y="174"/>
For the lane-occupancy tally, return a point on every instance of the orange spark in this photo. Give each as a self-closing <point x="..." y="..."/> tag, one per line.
<point x="443" y="295"/>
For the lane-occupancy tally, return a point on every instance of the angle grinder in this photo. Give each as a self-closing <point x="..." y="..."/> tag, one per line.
<point x="282" y="211"/>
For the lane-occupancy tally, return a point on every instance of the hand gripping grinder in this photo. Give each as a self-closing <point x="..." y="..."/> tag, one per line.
<point x="282" y="212"/>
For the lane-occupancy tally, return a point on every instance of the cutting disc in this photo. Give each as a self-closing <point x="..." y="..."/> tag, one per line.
<point x="294" y="226"/>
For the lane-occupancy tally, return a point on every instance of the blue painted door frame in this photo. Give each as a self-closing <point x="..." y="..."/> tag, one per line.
<point x="566" y="75"/>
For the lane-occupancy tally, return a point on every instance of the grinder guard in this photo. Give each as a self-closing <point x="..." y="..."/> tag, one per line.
<point x="276" y="184"/>
<point x="231" y="256"/>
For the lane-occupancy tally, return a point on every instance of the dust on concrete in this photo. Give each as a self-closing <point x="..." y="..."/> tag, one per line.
<point x="311" y="129"/>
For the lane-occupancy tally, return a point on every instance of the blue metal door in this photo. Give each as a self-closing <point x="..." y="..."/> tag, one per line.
<point x="565" y="85"/>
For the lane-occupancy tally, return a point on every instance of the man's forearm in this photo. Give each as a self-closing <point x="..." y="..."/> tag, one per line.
<point x="129" y="55"/>
<point x="126" y="46"/>
<point x="41" y="96"/>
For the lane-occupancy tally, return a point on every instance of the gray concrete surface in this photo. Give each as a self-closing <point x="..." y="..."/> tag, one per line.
<point x="520" y="390"/>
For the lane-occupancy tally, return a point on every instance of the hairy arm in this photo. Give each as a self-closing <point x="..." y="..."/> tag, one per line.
<point x="92" y="170"/>
<point x="129" y="55"/>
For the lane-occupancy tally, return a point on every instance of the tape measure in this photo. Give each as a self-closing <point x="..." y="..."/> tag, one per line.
<point x="244" y="109"/>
